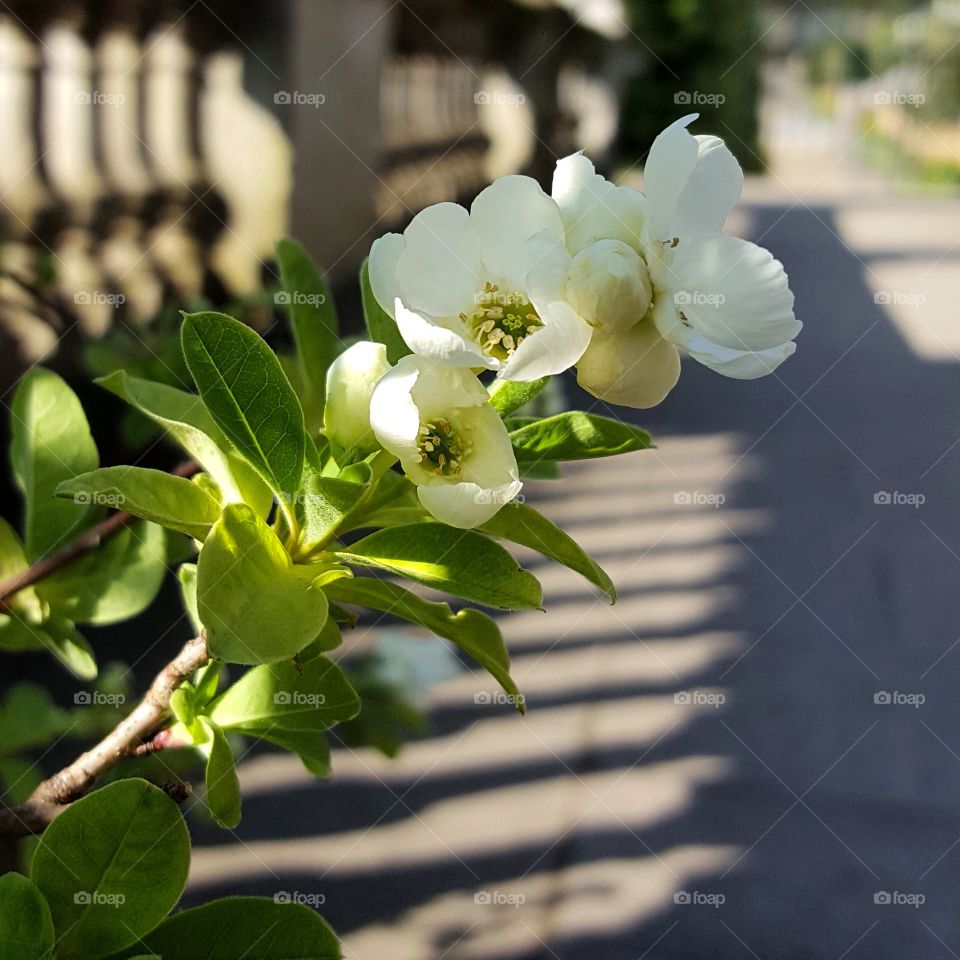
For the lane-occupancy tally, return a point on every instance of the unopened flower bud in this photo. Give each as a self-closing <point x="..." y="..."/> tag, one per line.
<point x="350" y="383"/>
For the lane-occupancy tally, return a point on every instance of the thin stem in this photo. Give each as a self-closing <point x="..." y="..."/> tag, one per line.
<point x="55" y="793"/>
<point x="80" y="547"/>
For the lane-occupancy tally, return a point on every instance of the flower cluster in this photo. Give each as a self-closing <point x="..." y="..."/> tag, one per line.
<point x="600" y="277"/>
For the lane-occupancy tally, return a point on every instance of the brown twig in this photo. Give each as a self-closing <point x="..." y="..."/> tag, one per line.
<point x="55" y="793"/>
<point x="81" y="546"/>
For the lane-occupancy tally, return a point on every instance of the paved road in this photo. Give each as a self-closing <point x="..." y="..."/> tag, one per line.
<point x="705" y="771"/>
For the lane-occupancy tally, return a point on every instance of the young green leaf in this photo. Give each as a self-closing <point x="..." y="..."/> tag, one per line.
<point x="113" y="583"/>
<point x="381" y="327"/>
<point x="26" y="927"/>
<point x="507" y="396"/>
<point x="577" y="436"/>
<point x="222" y="782"/>
<point x="313" y="320"/>
<point x="309" y="745"/>
<point x="187" y="576"/>
<point x="173" y="502"/>
<point x="286" y="696"/>
<point x="186" y="420"/>
<point x="474" y="632"/>
<point x="112" y="866"/>
<point x="250" y="928"/>
<point x="13" y="560"/>
<point x="322" y="505"/>
<point x="255" y="604"/>
<point x="460" y="562"/>
<point x="521" y="524"/>
<point x="51" y="442"/>
<point x="246" y="392"/>
<point x="69" y="646"/>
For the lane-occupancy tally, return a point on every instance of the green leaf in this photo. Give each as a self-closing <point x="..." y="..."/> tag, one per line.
<point x="507" y="396"/>
<point x="69" y="646"/>
<point x="173" y="502"/>
<point x="381" y="327"/>
<point x="313" y="320"/>
<point x="255" y="604"/>
<point x="112" y="866"/>
<point x="309" y="745"/>
<point x="26" y="927"/>
<point x="472" y="631"/>
<point x="521" y="524"/>
<point x="186" y="420"/>
<point x="311" y="696"/>
<point x="323" y="504"/>
<point x="112" y="583"/>
<point x="222" y="782"/>
<point x="250" y="928"/>
<point x="51" y="442"/>
<point x="460" y="562"/>
<point x="577" y="436"/>
<point x="246" y="392"/>
<point x="187" y="575"/>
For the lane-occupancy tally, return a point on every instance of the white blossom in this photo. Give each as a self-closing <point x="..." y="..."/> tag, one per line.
<point x="351" y="379"/>
<point x="437" y="420"/>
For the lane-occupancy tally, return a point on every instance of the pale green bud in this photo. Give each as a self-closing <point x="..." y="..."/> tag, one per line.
<point x="608" y="285"/>
<point x="350" y="383"/>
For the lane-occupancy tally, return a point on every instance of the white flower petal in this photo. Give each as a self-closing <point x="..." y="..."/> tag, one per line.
<point x="711" y="192"/>
<point x="669" y="164"/>
<point x="505" y="215"/>
<point x="438" y="270"/>
<point x="633" y="368"/>
<point x="548" y="264"/>
<point x="491" y="461"/>
<point x="593" y="208"/>
<point x="350" y="383"/>
<point x="553" y="348"/>
<point x="465" y="505"/>
<point x="441" y="388"/>
<point x="732" y="292"/>
<point x="394" y="416"/>
<point x="428" y="338"/>
<point x="382" y="266"/>
<point x="739" y="364"/>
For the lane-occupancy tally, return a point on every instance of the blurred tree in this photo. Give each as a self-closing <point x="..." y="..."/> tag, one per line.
<point x="699" y="55"/>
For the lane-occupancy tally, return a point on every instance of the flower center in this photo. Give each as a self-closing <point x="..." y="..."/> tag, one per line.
<point x="501" y="321"/>
<point x="442" y="450"/>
